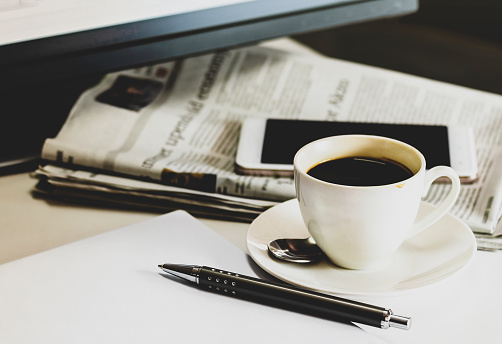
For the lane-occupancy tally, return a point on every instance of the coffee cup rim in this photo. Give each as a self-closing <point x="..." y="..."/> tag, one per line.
<point x="304" y="173"/>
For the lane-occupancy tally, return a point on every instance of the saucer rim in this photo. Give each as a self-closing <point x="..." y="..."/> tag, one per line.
<point x="254" y="250"/>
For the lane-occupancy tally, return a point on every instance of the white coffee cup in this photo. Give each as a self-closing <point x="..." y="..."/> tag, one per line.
<point x="360" y="227"/>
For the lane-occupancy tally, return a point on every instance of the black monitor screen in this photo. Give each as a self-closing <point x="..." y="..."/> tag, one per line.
<point x="33" y="57"/>
<point x="52" y="50"/>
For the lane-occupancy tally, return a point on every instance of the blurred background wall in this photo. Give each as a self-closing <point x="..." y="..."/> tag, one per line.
<point x="456" y="41"/>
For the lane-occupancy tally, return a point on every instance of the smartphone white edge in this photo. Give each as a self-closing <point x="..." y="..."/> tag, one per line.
<point x="463" y="152"/>
<point x="248" y="156"/>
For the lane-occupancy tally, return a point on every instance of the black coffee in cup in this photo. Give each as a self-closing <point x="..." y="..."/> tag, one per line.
<point x="360" y="171"/>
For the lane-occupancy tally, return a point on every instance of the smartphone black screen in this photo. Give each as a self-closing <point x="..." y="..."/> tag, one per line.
<point x="283" y="138"/>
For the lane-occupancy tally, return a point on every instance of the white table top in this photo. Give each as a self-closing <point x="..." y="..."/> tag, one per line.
<point x="463" y="309"/>
<point x="29" y="225"/>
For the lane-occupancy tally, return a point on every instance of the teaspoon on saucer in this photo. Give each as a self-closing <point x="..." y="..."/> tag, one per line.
<point x="295" y="250"/>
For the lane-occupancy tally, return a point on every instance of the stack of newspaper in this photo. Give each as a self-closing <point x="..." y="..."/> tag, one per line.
<point x="164" y="137"/>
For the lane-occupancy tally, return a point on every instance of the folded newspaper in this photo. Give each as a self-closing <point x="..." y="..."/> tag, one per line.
<point x="164" y="136"/>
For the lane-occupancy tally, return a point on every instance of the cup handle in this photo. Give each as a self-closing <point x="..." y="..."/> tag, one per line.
<point x="436" y="214"/>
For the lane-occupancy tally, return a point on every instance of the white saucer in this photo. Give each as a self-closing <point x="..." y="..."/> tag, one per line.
<point x="431" y="256"/>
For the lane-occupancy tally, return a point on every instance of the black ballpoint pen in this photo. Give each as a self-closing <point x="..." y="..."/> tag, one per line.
<point x="288" y="297"/>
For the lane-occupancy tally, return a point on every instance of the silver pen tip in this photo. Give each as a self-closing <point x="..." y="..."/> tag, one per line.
<point x="397" y="321"/>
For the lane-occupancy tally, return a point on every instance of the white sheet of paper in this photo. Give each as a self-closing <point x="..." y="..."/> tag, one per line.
<point x="109" y="289"/>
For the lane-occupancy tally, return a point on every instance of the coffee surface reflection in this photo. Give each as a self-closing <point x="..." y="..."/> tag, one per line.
<point x="360" y="171"/>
